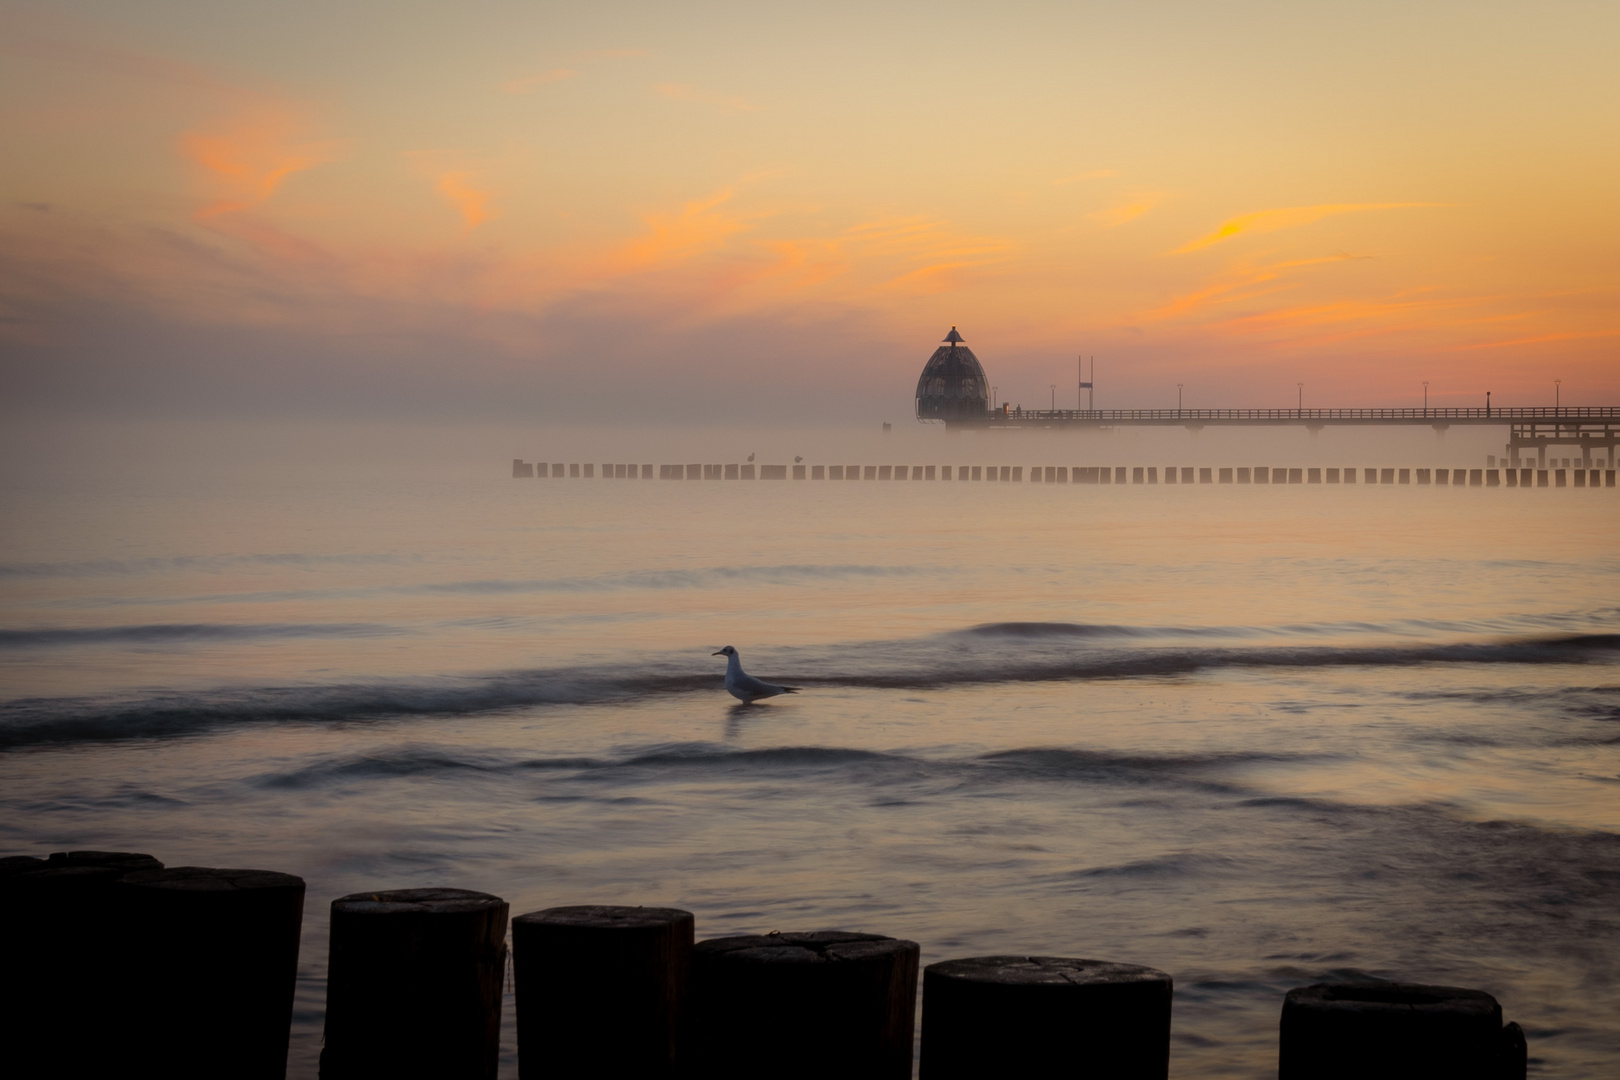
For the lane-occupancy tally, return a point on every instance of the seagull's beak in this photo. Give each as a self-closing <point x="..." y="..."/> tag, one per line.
<point x="717" y="654"/>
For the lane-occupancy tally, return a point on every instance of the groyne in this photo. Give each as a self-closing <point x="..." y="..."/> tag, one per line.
<point x="206" y="959"/>
<point x="1578" y="476"/>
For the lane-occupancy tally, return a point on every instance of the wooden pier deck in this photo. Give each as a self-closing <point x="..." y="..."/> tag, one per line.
<point x="1569" y="416"/>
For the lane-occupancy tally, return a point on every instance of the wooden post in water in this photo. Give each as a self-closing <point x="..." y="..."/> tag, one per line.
<point x="414" y="985"/>
<point x="600" y="990"/>
<point x="214" y="962"/>
<point x="1396" y="1031"/>
<point x="804" y="1006"/>
<point x="993" y="1016"/>
<point x="66" y="962"/>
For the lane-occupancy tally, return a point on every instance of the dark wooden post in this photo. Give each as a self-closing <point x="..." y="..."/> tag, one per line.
<point x="1395" y="1031"/>
<point x="600" y="990"/>
<point x="214" y="961"/>
<point x="414" y="985"/>
<point x="66" y="959"/>
<point x="804" y="1005"/>
<point x="992" y="1016"/>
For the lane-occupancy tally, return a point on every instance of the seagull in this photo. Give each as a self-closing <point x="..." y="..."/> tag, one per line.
<point x="797" y="459"/>
<point x="750" y="458"/>
<point x="743" y="686"/>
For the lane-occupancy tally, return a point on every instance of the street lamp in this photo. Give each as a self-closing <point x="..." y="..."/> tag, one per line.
<point x="1558" y="387"/>
<point x="1425" y="397"/>
<point x="1054" y="396"/>
<point x="1178" y="399"/>
<point x="1301" y="408"/>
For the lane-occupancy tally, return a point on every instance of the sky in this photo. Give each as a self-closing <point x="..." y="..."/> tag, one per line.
<point x="768" y="213"/>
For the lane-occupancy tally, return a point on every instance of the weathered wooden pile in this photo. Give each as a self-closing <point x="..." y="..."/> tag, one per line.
<point x="118" y="965"/>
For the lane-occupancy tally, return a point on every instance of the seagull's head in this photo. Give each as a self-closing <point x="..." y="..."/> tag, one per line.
<point x="727" y="651"/>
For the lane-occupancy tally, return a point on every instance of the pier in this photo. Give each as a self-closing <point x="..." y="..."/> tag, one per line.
<point x="954" y="390"/>
<point x="1530" y="428"/>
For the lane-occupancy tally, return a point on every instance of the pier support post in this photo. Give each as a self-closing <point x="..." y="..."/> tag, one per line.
<point x="600" y="990"/>
<point x="1044" y="1016"/>
<point x="214" y="966"/>
<point x="414" y="985"/>
<point x="1395" y="1031"/>
<point x="798" y="1006"/>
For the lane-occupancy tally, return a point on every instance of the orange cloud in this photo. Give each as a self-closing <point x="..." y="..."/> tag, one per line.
<point x="1238" y="283"/>
<point x="1126" y="211"/>
<point x="1288" y="217"/>
<point x="699" y="228"/>
<point x="613" y="54"/>
<point x="687" y="92"/>
<point x="1539" y="339"/>
<point x="245" y="164"/>
<point x="473" y="203"/>
<point x="529" y="82"/>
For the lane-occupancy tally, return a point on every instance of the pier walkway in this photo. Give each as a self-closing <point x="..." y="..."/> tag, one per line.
<point x="1573" y="416"/>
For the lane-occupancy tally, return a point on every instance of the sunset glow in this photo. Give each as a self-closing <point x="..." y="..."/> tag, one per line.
<point x="1383" y="213"/>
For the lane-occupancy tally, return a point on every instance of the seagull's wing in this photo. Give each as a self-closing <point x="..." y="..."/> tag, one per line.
<point x="760" y="687"/>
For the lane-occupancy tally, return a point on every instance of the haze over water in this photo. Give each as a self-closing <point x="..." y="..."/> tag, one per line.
<point x="284" y="288"/>
<point x="1254" y="736"/>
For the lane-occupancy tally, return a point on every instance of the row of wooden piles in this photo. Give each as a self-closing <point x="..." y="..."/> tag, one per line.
<point x="1099" y="474"/>
<point x="120" y="966"/>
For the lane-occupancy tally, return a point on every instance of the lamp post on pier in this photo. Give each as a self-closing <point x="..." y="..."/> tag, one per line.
<point x="1299" y="410"/>
<point x="1425" y="398"/>
<point x="1178" y="401"/>
<point x="1558" y="387"/>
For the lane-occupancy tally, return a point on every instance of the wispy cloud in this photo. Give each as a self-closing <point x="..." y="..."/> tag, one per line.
<point x="1094" y="174"/>
<point x="525" y="84"/>
<point x="1288" y="217"/>
<point x="1539" y="339"/>
<point x="688" y="92"/>
<point x="700" y="227"/>
<point x="1241" y="282"/>
<point x="471" y="201"/>
<point x="528" y="83"/>
<point x="1129" y="210"/>
<point x="244" y="162"/>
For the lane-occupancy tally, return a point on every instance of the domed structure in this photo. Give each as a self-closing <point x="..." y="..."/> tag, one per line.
<point x="953" y="386"/>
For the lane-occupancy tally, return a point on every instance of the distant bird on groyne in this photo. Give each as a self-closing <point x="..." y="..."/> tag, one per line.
<point x="743" y="686"/>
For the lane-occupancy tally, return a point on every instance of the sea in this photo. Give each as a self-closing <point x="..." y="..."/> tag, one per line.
<point x="1254" y="736"/>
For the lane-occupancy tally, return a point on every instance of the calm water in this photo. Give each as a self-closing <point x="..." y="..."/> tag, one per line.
<point x="1256" y="737"/>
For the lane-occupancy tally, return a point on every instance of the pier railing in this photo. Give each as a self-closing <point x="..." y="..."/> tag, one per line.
<point x="1506" y="414"/>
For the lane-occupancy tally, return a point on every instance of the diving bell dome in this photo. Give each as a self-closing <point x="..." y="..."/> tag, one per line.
<point x="952" y="386"/>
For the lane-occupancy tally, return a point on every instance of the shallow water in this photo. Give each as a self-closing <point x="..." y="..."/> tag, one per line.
<point x="1256" y="737"/>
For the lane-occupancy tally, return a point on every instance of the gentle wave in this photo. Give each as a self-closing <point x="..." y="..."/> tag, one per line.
<point x="697" y="578"/>
<point x="912" y="666"/>
<point x="167" y="633"/>
<point x="1050" y="764"/>
<point x="206" y="564"/>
